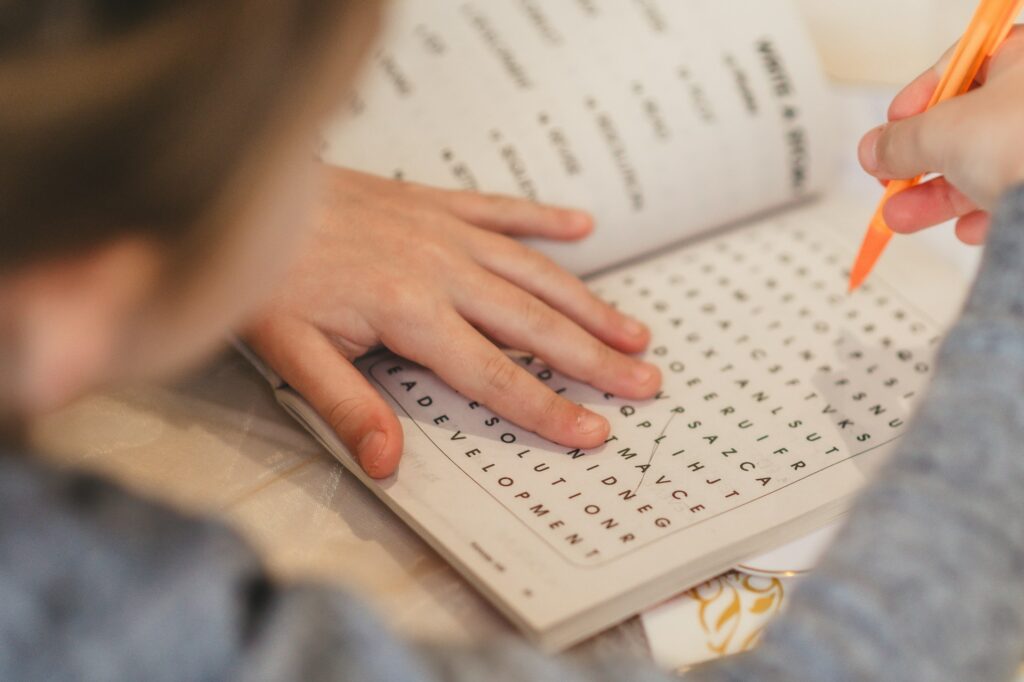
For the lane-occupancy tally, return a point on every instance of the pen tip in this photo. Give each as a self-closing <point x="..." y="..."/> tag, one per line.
<point x="877" y="236"/>
<point x="860" y="271"/>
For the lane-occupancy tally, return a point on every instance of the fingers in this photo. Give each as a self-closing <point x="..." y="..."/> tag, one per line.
<point x="472" y="365"/>
<point x="498" y="213"/>
<point x="514" y="317"/>
<point x="973" y="228"/>
<point x="925" y="205"/>
<point x="360" y="417"/>
<point x="933" y="203"/>
<point x="917" y="145"/>
<point x="915" y="96"/>
<point x="540" y="276"/>
<point x="1010" y="53"/>
<point x="516" y="217"/>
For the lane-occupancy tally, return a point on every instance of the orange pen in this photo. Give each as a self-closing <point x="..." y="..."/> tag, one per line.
<point x="989" y="27"/>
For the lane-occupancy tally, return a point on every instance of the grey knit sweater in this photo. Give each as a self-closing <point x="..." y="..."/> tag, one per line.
<point x="926" y="581"/>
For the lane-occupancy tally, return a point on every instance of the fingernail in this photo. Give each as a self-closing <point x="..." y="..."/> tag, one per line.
<point x="580" y="220"/>
<point x="644" y="373"/>
<point x="588" y="422"/>
<point x="869" y="150"/>
<point x="633" y="328"/>
<point x="370" y="450"/>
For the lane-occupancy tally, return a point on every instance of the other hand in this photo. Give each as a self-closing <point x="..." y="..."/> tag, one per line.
<point x="437" y="277"/>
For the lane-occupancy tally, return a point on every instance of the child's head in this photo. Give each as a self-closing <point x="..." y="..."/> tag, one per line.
<point x="156" y="168"/>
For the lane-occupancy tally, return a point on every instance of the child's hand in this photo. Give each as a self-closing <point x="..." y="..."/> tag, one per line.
<point x="431" y="275"/>
<point x="975" y="141"/>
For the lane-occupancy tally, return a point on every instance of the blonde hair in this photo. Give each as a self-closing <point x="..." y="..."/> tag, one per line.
<point x="133" y="115"/>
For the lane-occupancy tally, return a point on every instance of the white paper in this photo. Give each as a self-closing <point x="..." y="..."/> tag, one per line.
<point x="664" y="119"/>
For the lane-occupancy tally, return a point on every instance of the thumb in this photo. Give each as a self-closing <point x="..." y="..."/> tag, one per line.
<point x="916" y="145"/>
<point x="339" y="393"/>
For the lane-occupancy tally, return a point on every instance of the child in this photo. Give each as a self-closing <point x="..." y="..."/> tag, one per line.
<point x="102" y="138"/>
<point x="154" y="171"/>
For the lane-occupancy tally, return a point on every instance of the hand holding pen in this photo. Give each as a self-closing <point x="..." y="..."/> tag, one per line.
<point x="976" y="142"/>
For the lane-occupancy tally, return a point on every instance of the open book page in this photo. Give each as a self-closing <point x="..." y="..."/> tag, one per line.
<point x="664" y="118"/>
<point x="781" y="394"/>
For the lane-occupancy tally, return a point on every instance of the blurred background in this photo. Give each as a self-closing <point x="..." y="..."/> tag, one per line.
<point x="884" y="41"/>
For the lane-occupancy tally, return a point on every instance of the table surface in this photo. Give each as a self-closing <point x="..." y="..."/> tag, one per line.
<point x="217" y="443"/>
